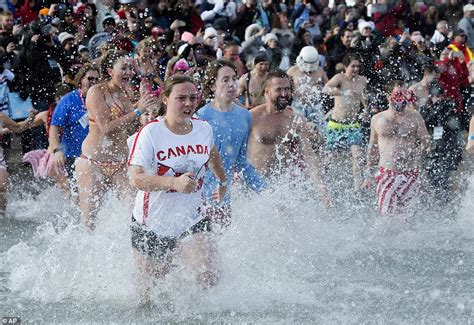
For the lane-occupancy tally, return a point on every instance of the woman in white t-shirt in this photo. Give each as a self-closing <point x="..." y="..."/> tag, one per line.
<point x="167" y="162"/>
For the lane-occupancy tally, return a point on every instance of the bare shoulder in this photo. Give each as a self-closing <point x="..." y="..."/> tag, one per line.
<point x="363" y="80"/>
<point x="336" y="78"/>
<point x="377" y="118"/>
<point x="292" y="71"/>
<point x="258" y="110"/>
<point x="412" y="114"/>
<point x="97" y="89"/>
<point x="414" y="86"/>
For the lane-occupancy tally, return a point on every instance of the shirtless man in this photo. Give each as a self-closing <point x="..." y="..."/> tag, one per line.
<point x="343" y="129"/>
<point x="398" y="140"/>
<point x="420" y="89"/>
<point x="309" y="80"/>
<point x="251" y="83"/>
<point x="279" y="139"/>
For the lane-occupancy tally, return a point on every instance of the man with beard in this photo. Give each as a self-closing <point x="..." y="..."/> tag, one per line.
<point x="279" y="140"/>
<point x="399" y="141"/>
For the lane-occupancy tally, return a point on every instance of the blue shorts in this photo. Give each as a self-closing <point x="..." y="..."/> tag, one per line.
<point x="342" y="136"/>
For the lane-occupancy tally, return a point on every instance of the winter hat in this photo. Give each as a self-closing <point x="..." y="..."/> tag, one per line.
<point x="467" y="8"/>
<point x="250" y="29"/>
<point x="260" y="57"/>
<point x="363" y="24"/>
<point x="64" y="36"/>
<point x="187" y="37"/>
<point x="108" y="20"/>
<point x="43" y="12"/>
<point x="308" y="60"/>
<point x="209" y="32"/>
<point x="181" y="64"/>
<point x="268" y="37"/>
<point x="82" y="48"/>
<point x="56" y="21"/>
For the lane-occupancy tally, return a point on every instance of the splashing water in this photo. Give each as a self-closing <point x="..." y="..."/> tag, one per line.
<point x="284" y="258"/>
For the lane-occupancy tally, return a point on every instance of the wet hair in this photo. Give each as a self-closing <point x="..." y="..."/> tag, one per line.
<point x="211" y="75"/>
<point x="168" y="88"/>
<point x="83" y="71"/>
<point x="277" y="73"/>
<point x="346" y="61"/>
<point x="109" y="60"/>
<point x="391" y="85"/>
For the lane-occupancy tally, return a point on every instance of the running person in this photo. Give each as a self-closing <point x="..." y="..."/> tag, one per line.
<point x="343" y="131"/>
<point x="111" y="113"/>
<point x="281" y="140"/>
<point x="167" y="163"/>
<point x="395" y="138"/>
<point x="69" y="123"/>
<point x="309" y="79"/>
<point x="231" y="125"/>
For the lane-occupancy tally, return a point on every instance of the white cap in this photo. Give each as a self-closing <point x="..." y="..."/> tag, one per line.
<point x="468" y="7"/>
<point x="363" y="24"/>
<point x="210" y="31"/>
<point x="64" y="36"/>
<point x="82" y="48"/>
<point x="308" y="60"/>
<point x="268" y="37"/>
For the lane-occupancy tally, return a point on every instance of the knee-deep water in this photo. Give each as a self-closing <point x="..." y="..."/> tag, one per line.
<point x="285" y="258"/>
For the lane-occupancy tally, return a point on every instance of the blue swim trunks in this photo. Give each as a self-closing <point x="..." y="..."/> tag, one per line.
<point x="342" y="136"/>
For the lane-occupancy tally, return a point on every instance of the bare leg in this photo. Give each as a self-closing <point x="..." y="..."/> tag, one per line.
<point x="148" y="270"/>
<point x="90" y="191"/>
<point x="62" y="182"/>
<point x="357" y="167"/>
<point x="3" y="191"/>
<point x="199" y="256"/>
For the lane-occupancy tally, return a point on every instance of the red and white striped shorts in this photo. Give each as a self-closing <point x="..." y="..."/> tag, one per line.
<point x="396" y="190"/>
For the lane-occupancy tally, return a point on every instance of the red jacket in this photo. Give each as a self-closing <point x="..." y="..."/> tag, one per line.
<point x="450" y="80"/>
<point x="27" y="15"/>
<point x="386" y="23"/>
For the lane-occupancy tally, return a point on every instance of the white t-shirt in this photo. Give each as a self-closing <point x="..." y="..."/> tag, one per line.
<point x="161" y="152"/>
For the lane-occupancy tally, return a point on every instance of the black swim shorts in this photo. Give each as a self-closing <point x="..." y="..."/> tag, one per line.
<point x="158" y="247"/>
